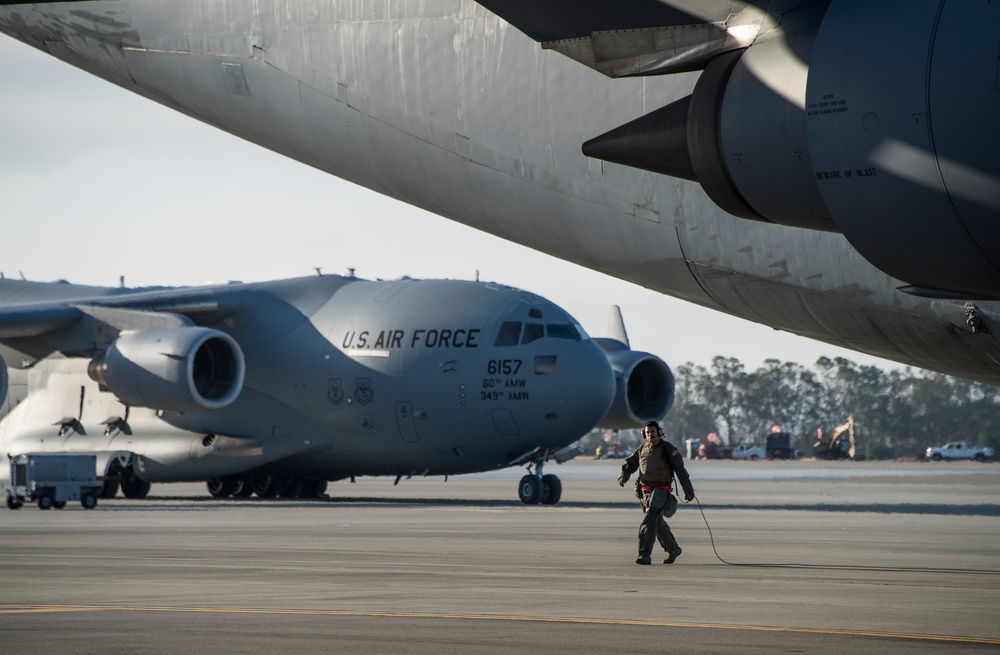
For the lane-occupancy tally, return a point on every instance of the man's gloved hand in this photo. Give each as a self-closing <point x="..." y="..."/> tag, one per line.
<point x="623" y="478"/>
<point x="688" y="496"/>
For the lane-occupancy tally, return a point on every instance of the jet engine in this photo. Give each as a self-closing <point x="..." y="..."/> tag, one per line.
<point x="180" y="369"/>
<point x="870" y="119"/>
<point x="3" y="382"/>
<point x="644" y="387"/>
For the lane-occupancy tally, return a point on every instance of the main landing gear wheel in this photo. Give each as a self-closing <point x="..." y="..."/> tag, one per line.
<point x="245" y="489"/>
<point x="134" y="488"/>
<point x="222" y="487"/>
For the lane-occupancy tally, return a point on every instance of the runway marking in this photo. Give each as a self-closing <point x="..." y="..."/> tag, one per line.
<point x="56" y="609"/>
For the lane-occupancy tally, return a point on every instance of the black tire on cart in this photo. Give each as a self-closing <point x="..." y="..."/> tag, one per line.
<point x="58" y="504"/>
<point x="88" y="501"/>
<point x="45" y="501"/>
<point x="14" y="503"/>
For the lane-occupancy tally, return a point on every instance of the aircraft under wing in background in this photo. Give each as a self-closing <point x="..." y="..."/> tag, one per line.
<point x="827" y="168"/>
<point x="278" y="387"/>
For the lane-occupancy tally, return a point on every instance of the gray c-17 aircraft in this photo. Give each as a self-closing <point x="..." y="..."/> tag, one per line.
<point x="825" y="167"/>
<point x="278" y="387"/>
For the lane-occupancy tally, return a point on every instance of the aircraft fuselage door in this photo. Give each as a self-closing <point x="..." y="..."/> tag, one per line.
<point x="405" y="422"/>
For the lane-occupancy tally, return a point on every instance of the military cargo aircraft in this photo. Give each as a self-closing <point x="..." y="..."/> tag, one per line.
<point x="824" y="167"/>
<point x="276" y="388"/>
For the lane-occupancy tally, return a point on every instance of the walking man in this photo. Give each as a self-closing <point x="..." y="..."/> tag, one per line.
<point x="657" y="461"/>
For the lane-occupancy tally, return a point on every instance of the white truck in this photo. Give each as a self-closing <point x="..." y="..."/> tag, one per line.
<point x="51" y="479"/>
<point x="959" y="450"/>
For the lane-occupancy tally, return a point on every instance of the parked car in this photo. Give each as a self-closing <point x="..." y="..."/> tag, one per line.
<point x="748" y="451"/>
<point x="959" y="450"/>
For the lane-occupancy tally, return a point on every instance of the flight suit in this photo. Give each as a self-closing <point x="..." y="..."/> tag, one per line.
<point x="657" y="466"/>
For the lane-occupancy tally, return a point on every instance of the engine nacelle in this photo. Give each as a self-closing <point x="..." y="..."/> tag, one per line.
<point x="644" y="389"/>
<point x="874" y="119"/>
<point x="182" y="369"/>
<point x="4" y="382"/>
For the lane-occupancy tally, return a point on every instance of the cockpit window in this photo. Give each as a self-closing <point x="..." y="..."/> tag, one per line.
<point x="532" y="332"/>
<point x="562" y="331"/>
<point x="509" y="334"/>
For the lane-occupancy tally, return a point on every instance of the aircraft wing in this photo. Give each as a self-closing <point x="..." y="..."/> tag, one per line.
<point x="646" y="37"/>
<point x="35" y="322"/>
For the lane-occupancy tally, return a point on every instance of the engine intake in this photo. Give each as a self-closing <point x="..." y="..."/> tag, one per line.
<point x="644" y="389"/>
<point x="182" y="369"/>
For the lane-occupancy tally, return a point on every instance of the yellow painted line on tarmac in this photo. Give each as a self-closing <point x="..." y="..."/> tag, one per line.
<point x="55" y="609"/>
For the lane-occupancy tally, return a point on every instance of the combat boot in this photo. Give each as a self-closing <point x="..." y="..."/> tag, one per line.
<point x="674" y="554"/>
<point x="643" y="559"/>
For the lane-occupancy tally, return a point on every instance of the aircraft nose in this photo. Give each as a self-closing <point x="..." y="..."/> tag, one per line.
<point x="588" y="386"/>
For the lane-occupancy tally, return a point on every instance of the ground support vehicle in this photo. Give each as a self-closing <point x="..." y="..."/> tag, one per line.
<point x="779" y="446"/>
<point x="839" y="444"/>
<point x="52" y="479"/>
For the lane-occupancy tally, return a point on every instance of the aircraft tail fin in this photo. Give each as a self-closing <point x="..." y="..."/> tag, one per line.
<point x="616" y="326"/>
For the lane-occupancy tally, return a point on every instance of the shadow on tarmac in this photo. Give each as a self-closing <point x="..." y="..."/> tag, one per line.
<point x="926" y="509"/>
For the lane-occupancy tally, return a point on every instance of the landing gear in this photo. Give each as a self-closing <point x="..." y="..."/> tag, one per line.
<point x="134" y="488"/>
<point x="245" y="489"/>
<point x="110" y="489"/>
<point x="551" y="489"/>
<point x="266" y="486"/>
<point x="223" y="487"/>
<point x="535" y="488"/>
<point x="529" y="490"/>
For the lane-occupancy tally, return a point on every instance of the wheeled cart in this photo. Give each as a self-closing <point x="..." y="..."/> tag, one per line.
<point x="52" y="479"/>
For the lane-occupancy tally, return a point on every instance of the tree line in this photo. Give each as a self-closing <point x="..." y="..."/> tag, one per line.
<point x="897" y="413"/>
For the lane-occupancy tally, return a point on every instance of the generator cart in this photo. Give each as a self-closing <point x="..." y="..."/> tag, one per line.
<point x="51" y="479"/>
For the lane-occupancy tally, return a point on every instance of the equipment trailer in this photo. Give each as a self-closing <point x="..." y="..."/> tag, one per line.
<point x="51" y="479"/>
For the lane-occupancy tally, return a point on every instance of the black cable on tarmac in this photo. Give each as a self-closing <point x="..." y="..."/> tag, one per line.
<point x="840" y="567"/>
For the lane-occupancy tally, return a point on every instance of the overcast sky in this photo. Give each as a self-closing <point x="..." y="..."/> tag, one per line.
<point x="97" y="183"/>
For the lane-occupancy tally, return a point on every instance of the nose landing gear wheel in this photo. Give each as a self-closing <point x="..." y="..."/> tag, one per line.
<point x="551" y="489"/>
<point x="529" y="490"/>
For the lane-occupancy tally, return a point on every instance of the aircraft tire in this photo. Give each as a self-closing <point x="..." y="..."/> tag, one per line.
<point x="551" y="489"/>
<point x="222" y="487"/>
<point x="529" y="490"/>
<point x="293" y="488"/>
<point x="266" y="486"/>
<point x="135" y="488"/>
<point x="313" y="488"/>
<point x="245" y="488"/>
<point x="109" y="490"/>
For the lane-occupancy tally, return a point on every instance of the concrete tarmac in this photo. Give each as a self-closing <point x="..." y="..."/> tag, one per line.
<point x="819" y="558"/>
